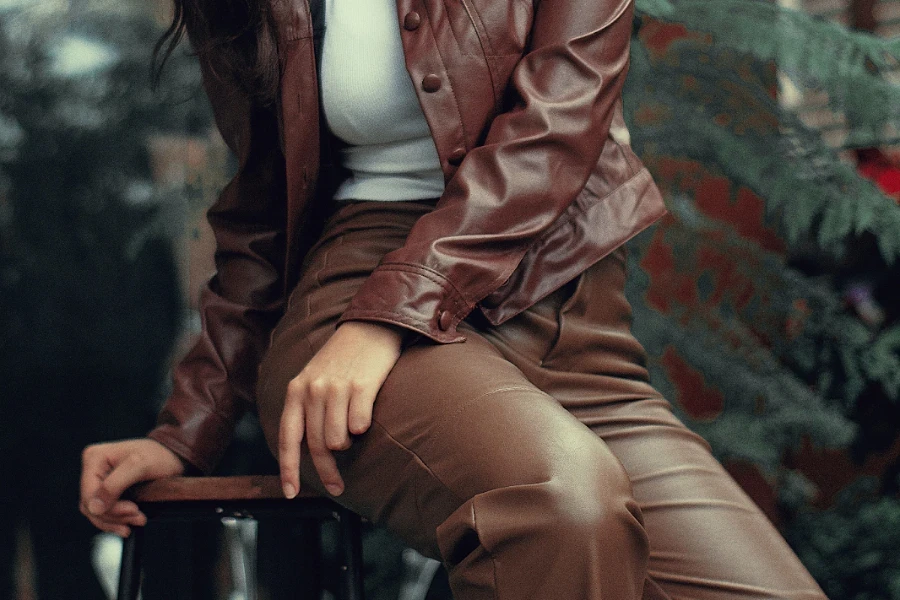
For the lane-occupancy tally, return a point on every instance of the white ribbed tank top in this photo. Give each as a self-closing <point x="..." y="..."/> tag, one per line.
<point x="370" y="103"/>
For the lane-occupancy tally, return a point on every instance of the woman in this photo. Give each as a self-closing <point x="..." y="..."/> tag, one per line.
<point x="424" y="303"/>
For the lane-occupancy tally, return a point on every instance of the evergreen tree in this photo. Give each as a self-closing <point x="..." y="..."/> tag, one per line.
<point x="740" y="295"/>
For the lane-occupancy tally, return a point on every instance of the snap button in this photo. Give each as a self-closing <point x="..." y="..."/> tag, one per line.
<point x="444" y="320"/>
<point x="456" y="156"/>
<point x="431" y="83"/>
<point x="412" y="21"/>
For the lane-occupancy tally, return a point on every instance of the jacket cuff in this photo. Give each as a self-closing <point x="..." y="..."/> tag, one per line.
<point x="198" y="441"/>
<point x="412" y="297"/>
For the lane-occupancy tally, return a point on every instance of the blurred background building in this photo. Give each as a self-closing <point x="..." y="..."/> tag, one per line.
<point x="767" y="299"/>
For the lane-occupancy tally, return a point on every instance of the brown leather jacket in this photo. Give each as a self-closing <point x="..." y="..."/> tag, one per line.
<point x="523" y="99"/>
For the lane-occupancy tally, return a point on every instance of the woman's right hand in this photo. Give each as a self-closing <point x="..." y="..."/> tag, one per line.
<point x="333" y="397"/>
<point x="107" y="470"/>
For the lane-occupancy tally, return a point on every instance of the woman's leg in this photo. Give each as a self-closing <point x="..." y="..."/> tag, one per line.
<point x="466" y="459"/>
<point x="707" y="538"/>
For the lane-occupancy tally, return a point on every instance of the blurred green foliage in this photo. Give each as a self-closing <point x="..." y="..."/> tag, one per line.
<point x="748" y="282"/>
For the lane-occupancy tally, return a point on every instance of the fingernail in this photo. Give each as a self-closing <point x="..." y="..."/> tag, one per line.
<point x="334" y="489"/>
<point x="289" y="491"/>
<point x="96" y="506"/>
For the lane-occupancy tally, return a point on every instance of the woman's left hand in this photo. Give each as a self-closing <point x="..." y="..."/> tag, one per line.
<point x="333" y="397"/>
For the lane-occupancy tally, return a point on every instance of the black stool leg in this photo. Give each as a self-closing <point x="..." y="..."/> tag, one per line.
<point x="351" y="556"/>
<point x="130" y="573"/>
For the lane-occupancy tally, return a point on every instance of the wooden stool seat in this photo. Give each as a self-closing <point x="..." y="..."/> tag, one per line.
<point x="180" y="489"/>
<point x="244" y="497"/>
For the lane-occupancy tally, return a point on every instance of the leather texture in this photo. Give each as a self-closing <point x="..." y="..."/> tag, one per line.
<point x="523" y="101"/>
<point x="535" y="460"/>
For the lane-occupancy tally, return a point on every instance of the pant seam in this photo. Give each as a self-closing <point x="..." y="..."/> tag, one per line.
<point x="467" y="403"/>
<point x="456" y="498"/>
<point x="419" y="460"/>
<point x="490" y="554"/>
<point x="325" y="260"/>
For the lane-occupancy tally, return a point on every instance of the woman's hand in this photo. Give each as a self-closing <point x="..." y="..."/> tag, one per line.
<point x="107" y="470"/>
<point x="333" y="397"/>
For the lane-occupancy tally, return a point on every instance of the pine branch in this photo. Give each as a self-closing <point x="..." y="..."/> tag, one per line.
<point x="823" y="336"/>
<point x="749" y="378"/>
<point x="881" y="361"/>
<point x="850" y="548"/>
<point x="767" y="408"/>
<point x="723" y="119"/>
<point x="813" y="52"/>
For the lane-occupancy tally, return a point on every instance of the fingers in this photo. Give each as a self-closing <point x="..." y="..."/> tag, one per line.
<point x="123" y="515"/>
<point x="290" y="436"/>
<point x="120" y="518"/>
<point x="319" y="397"/>
<point x="95" y="466"/>
<point x="360" y="410"/>
<point x="337" y="435"/>
<point x="318" y="411"/>
<point x="122" y="531"/>
<point x="125" y="510"/>
<point x="109" y="469"/>
<point x="333" y="397"/>
<point x="128" y="472"/>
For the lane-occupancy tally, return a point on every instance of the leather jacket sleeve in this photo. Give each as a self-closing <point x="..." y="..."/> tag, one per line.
<point x="535" y="160"/>
<point x="213" y="384"/>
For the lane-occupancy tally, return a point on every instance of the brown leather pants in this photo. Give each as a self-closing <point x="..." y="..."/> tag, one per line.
<point x="534" y="459"/>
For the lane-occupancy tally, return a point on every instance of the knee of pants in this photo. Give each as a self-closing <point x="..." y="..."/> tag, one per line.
<point x="582" y="509"/>
<point x="588" y="495"/>
<point x="585" y="502"/>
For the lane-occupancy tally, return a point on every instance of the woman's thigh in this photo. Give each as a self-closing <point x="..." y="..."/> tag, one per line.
<point x="707" y="538"/>
<point x="451" y="422"/>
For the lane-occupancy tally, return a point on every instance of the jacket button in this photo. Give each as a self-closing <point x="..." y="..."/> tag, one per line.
<point x="431" y="83"/>
<point x="456" y="156"/>
<point x="444" y="320"/>
<point x="412" y="21"/>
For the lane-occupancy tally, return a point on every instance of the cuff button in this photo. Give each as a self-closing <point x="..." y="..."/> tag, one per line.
<point x="456" y="157"/>
<point x="445" y="319"/>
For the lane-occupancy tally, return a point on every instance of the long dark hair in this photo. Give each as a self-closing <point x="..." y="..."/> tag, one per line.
<point x="239" y="34"/>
